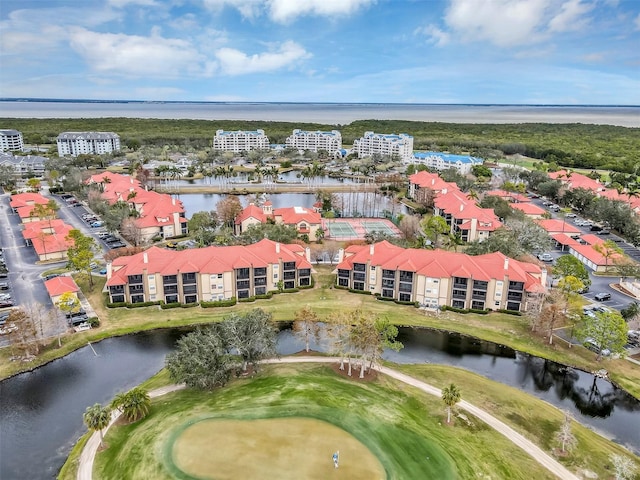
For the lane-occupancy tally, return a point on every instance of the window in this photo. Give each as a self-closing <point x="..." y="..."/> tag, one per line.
<point x="171" y="299"/>
<point x="191" y="299"/>
<point x="170" y="279"/>
<point x="343" y="282"/>
<point x="137" y="298"/>
<point x="133" y="279"/>
<point x="188" y="278"/>
<point x="358" y="285"/>
<point x="242" y="273"/>
<point x="117" y="298"/>
<point x="260" y="272"/>
<point x="261" y="290"/>
<point x="220" y="275"/>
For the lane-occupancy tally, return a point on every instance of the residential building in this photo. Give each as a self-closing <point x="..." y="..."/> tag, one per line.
<point x="465" y="217"/>
<point x="11" y="141"/>
<point x="400" y="145"/>
<point x="307" y="221"/>
<point x="24" y="165"/>
<point x="314" y="141"/>
<point x="78" y="143"/>
<point x="512" y="197"/>
<point x="435" y="278"/>
<point x="207" y="274"/>
<point x="240" y="140"/>
<point x="444" y="161"/>
<point x="461" y="212"/>
<point x="554" y="226"/>
<point x="159" y="214"/>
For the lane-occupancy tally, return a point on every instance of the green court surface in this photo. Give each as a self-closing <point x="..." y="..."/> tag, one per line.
<point x="340" y="229"/>
<point x="378" y="227"/>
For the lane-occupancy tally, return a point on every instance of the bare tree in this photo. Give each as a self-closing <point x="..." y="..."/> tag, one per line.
<point x="39" y="315"/>
<point x="624" y="468"/>
<point x="23" y="335"/>
<point x="565" y="436"/>
<point x="553" y="312"/>
<point x="306" y="326"/>
<point x="132" y="232"/>
<point x="339" y="333"/>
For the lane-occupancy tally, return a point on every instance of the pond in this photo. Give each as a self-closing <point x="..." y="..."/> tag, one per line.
<point x="41" y="411"/>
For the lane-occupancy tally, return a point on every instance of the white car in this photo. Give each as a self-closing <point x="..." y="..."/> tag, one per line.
<point x="8" y="329"/>
<point x="545" y="257"/>
<point x="82" y="327"/>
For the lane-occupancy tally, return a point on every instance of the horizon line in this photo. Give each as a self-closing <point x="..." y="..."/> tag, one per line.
<point x="247" y="102"/>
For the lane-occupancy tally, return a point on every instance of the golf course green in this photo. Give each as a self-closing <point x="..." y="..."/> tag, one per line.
<point x="287" y="421"/>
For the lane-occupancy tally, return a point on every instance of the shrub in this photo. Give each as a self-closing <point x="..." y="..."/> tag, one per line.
<point x="189" y="305"/>
<point x="264" y="296"/>
<point x="219" y="303"/>
<point x="362" y="292"/>
<point x="94" y="322"/>
<point x="510" y="312"/>
<point x="167" y="306"/>
<point x="247" y="300"/>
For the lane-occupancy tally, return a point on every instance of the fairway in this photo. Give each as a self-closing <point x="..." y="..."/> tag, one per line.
<point x="270" y="448"/>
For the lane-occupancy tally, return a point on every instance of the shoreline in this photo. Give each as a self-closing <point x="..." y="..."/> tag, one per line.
<point x="326" y="113"/>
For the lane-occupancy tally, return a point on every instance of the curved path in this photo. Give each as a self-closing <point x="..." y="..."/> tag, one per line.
<point x="87" y="456"/>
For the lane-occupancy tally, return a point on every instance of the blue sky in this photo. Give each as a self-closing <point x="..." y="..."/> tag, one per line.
<point x="396" y="51"/>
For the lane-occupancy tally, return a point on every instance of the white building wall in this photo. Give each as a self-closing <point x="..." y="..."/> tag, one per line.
<point x="314" y="141"/>
<point x="79" y="143"/>
<point x="11" y="140"/>
<point x="384" y="144"/>
<point x="241" y="140"/>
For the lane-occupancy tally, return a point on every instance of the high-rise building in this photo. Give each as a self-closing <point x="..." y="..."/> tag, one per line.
<point x="240" y="140"/>
<point x="77" y="143"/>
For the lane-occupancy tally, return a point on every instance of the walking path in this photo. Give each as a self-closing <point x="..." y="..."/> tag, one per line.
<point x="85" y="467"/>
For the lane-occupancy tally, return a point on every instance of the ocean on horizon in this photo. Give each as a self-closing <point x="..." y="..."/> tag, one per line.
<point x="323" y="113"/>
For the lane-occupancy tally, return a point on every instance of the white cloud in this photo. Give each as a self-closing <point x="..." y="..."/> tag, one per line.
<point x="288" y="10"/>
<point x="570" y="17"/>
<point x="637" y="22"/>
<point x="509" y="23"/>
<point x="436" y="35"/>
<point x="126" y="3"/>
<point x="284" y="11"/>
<point x="235" y="62"/>
<point x="137" y="55"/>
<point x="247" y="8"/>
<point x="502" y="22"/>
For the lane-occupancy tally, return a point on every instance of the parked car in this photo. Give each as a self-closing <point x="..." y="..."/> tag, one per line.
<point x="82" y="327"/>
<point x="96" y="224"/>
<point x="53" y="275"/>
<point x="6" y="329"/>
<point x="6" y="303"/>
<point x="602" y="296"/>
<point x="4" y="285"/>
<point x="591" y="344"/>
<point x="545" y="257"/>
<point x="571" y="215"/>
<point x="595" y="228"/>
<point x="604" y="231"/>
<point x="116" y="245"/>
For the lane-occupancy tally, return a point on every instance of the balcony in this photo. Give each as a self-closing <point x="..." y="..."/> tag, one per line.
<point x="359" y="267"/>
<point x="170" y="279"/>
<point x="289" y="275"/>
<point x="170" y="289"/>
<point x="260" y="281"/>
<point x="390" y="274"/>
<point x="189" y="289"/>
<point x="133" y="279"/>
<point x="516" y="297"/>
<point x="388" y="283"/>
<point x="242" y="273"/>
<point x="359" y="276"/>
<point x="289" y="266"/>
<point x="344" y="273"/>
<point x="136" y="289"/>
<point x="460" y="286"/>
<point x="405" y="287"/>
<point x="116" y="289"/>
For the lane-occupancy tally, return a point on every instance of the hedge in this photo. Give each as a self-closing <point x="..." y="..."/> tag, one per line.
<point x="510" y="312"/>
<point x="247" y="300"/>
<point x="167" y="306"/>
<point x="132" y="305"/>
<point x="220" y="303"/>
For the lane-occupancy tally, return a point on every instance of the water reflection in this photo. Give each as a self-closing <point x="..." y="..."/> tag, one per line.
<point x="41" y="411"/>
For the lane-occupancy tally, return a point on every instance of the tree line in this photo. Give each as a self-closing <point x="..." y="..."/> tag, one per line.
<point x="571" y="145"/>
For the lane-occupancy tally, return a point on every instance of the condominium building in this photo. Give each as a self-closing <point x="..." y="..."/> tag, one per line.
<point x="240" y="140"/>
<point x="384" y="144"/>
<point x="437" y="278"/>
<point x="11" y="140"/>
<point x="314" y="141"/>
<point x="443" y="161"/>
<point x="208" y="274"/>
<point x="24" y="165"/>
<point x="78" y="143"/>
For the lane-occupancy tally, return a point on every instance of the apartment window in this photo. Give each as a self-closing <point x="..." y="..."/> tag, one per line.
<point x="116" y="289"/>
<point x="304" y="272"/>
<point x="241" y="284"/>
<point x="305" y="281"/>
<point x="389" y="274"/>
<point x="477" y="305"/>
<point x="243" y="293"/>
<point x="343" y="282"/>
<point x="170" y="279"/>
<point x="170" y="289"/>
<point x="405" y="297"/>
<point x="188" y="278"/>
<point x="289" y="285"/>
<point x="513" y="306"/>
<point x="171" y="299"/>
<point x="133" y="279"/>
<point x="191" y="299"/>
<point x="457" y="303"/>
<point x="343" y="273"/>
<point x="289" y="266"/>
<point x="260" y="272"/>
<point x="359" y="267"/>
<point x="117" y="298"/>
<point x="387" y="293"/>
<point x="358" y="285"/>
<point x="516" y="286"/>
<point x="190" y="289"/>
<point x="242" y="273"/>
<point x="137" y="298"/>
<point x="139" y="288"/>
<point x="261" y="290"/>
<point x="260" y="281"/>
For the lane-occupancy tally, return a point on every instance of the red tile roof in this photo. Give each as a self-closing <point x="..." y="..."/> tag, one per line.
<point x="295" y="215"/>
<point x="28" y="198"/>
<point x="528" y="208"/>
<point x="553" y="225"/>
<point x="34" y="229"/>
<point x="251" y="211"/>
<point x="432" y="181"/>
<point x="564" y="239"/>
<point x="59" y="285"/>
<point x="509" y="196"/>
<point x="207" y="260"/>
<point x="441" y="263"/>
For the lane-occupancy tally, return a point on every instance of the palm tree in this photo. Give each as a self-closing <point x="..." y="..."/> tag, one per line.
<point x="97" y="418"/>
<point x="450" y="396"/>
<point x="134" y="404"/>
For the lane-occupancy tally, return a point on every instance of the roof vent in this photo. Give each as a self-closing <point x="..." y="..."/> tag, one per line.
<point x="145" y="257"/>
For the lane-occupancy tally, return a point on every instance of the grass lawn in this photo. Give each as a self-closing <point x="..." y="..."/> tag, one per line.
<point x="387" y="422"/>
<point x="504" y="329"/>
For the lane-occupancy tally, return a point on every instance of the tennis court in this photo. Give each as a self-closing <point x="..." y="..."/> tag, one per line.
<point x="357" y="228"/>
<point x="379" y="226"/>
